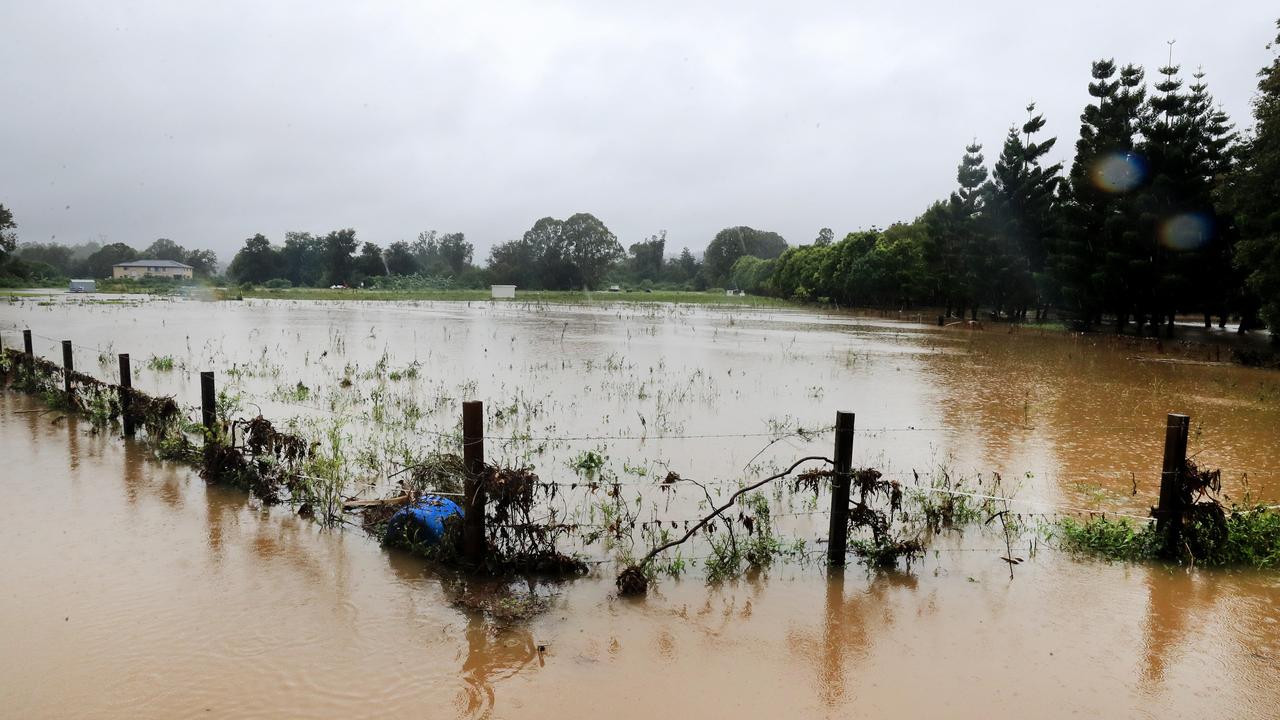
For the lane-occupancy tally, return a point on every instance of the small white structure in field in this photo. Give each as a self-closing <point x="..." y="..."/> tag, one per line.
<point x="498" y="292"/>
<point x="79" y="286"/>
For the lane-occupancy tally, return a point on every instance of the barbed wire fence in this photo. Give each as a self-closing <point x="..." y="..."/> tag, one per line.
<point x="612" y="485"/>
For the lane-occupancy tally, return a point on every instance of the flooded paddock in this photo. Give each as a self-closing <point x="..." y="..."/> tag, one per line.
<point x="135" y="589"/>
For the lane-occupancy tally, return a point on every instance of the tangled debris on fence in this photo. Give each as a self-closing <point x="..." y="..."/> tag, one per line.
<point x="159" y="417"/>
<point x="266" y="462"/>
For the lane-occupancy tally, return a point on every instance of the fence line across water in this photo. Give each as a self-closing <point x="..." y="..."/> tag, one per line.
<point x="473" y="437"/>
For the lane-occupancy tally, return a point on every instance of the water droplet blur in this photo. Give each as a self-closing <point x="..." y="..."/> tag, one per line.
<point x="1118" y="172"/>
<point x="1186" y="231"/>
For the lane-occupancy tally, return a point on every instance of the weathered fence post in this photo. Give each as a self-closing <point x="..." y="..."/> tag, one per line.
<point x="1169" y="513"/>
<point x="208" y="402"/>
<point x="838" y="534"/>
<point x="126" y="394"/>
<point x="473" y="501"/>
<point x="68" y="367"/>
<point x="26" y="344"/>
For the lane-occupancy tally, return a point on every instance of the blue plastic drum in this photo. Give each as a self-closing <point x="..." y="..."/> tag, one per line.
<point x="421" y="522"/>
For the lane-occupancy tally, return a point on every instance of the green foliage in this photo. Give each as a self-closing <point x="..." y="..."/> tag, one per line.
<point x="161" y="362"/>
<point x="558" y="254"/>
<point x="1112" y="539"/>
<point x="588" y="463"/>
<point x="1250" y="537"/>
<point x="734" y="242"/>
<point x="257" y="262"/>
<point x="1252" y="193"/>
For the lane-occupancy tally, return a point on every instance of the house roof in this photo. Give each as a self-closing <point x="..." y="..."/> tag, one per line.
<point x="154" y="263"/>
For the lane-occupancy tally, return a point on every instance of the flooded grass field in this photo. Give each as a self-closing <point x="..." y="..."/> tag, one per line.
<point x="133" y="588"/>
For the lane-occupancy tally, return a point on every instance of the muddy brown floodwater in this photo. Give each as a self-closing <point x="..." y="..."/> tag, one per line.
<point x="133" y="589"/>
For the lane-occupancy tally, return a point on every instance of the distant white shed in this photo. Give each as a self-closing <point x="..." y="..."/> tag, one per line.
<point x="79" y="286"/>
<point x="502" y="291"/>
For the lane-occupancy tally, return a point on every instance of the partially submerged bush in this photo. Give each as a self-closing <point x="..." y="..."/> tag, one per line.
<point x="1205" y="532"/>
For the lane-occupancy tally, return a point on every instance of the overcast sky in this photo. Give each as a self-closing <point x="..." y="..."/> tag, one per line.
<point x="209" y="122"/>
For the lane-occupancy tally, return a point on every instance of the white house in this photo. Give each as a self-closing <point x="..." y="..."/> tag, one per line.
<point x="151" y="268"/>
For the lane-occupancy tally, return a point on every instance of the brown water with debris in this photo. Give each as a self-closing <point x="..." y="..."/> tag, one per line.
<point x="132" y="589"/>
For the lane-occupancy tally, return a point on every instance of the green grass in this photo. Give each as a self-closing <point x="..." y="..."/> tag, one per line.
<point x="160" y="362"/>
<point x="1110" y="539"/>
<point x="522" y="296"/>
<point x="1250" y="538"/>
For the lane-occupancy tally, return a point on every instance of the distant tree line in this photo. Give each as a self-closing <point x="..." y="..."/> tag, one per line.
<point x="574" y="253"/>
<point x="38" y="263"/>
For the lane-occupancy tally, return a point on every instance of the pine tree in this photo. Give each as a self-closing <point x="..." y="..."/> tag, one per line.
<point x="1091" y="263"/>
<point x="1164" y="145"/>
<point x="1254" y="187"/>
<point x="1185" y="142"/>
<point x="1021" y="217"/>
<point x="958" y="253"/>
<point x="1209" y="146"/>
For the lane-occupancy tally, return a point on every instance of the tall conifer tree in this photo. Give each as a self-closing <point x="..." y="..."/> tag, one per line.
<point x="1021" y="216"/>
<point x="1091" y="262"/>
<point x="1253" y="191"/>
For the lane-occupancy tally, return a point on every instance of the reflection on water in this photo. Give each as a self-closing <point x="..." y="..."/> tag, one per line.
<point x="133" y="589"/>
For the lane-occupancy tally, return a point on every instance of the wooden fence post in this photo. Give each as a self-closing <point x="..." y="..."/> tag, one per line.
<point x="1169" y="513"/>
<point x="26" y="343"/>
<point x="208" y="402"/>
<point x="68" y="367"/>
<point x="126" y="394"/>
<point x="473" y="539"/>
<point x="838" y="534"/>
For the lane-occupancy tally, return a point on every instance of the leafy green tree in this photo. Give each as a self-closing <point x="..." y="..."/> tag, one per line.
<point x="685" y="269"/>
<point x="303" y="259"/>
<point x="455" y="252"/>
<point x="400" y="259"/>
<point x="339" y="266"/>
<point x="99" y="264"/>
<point x="165" y="249"/>
<point x="592" y="249"/>
<point x="1252" y="193"/>
<point x="515" y="263"/>
<point x="732" y="243"/>
<point x="203" y="262"/>
<point x="257" y="262"/>
<point x="54" y="255"/>
<point x="647" y="257"/>
<point x="753" y="275"/>
<point x="426" y="253"/>
<point x="442" y="254"/>
<point x="369" y="263"/>
<point x="825" y="237"/>
<point x="894" y="272"/>
<point x="800" y="273"/>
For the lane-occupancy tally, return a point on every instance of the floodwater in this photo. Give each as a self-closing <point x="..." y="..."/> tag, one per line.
<point x="133" y="589"/>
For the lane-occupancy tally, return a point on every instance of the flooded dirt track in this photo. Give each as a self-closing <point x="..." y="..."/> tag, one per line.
<point x="133" y="589"/>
